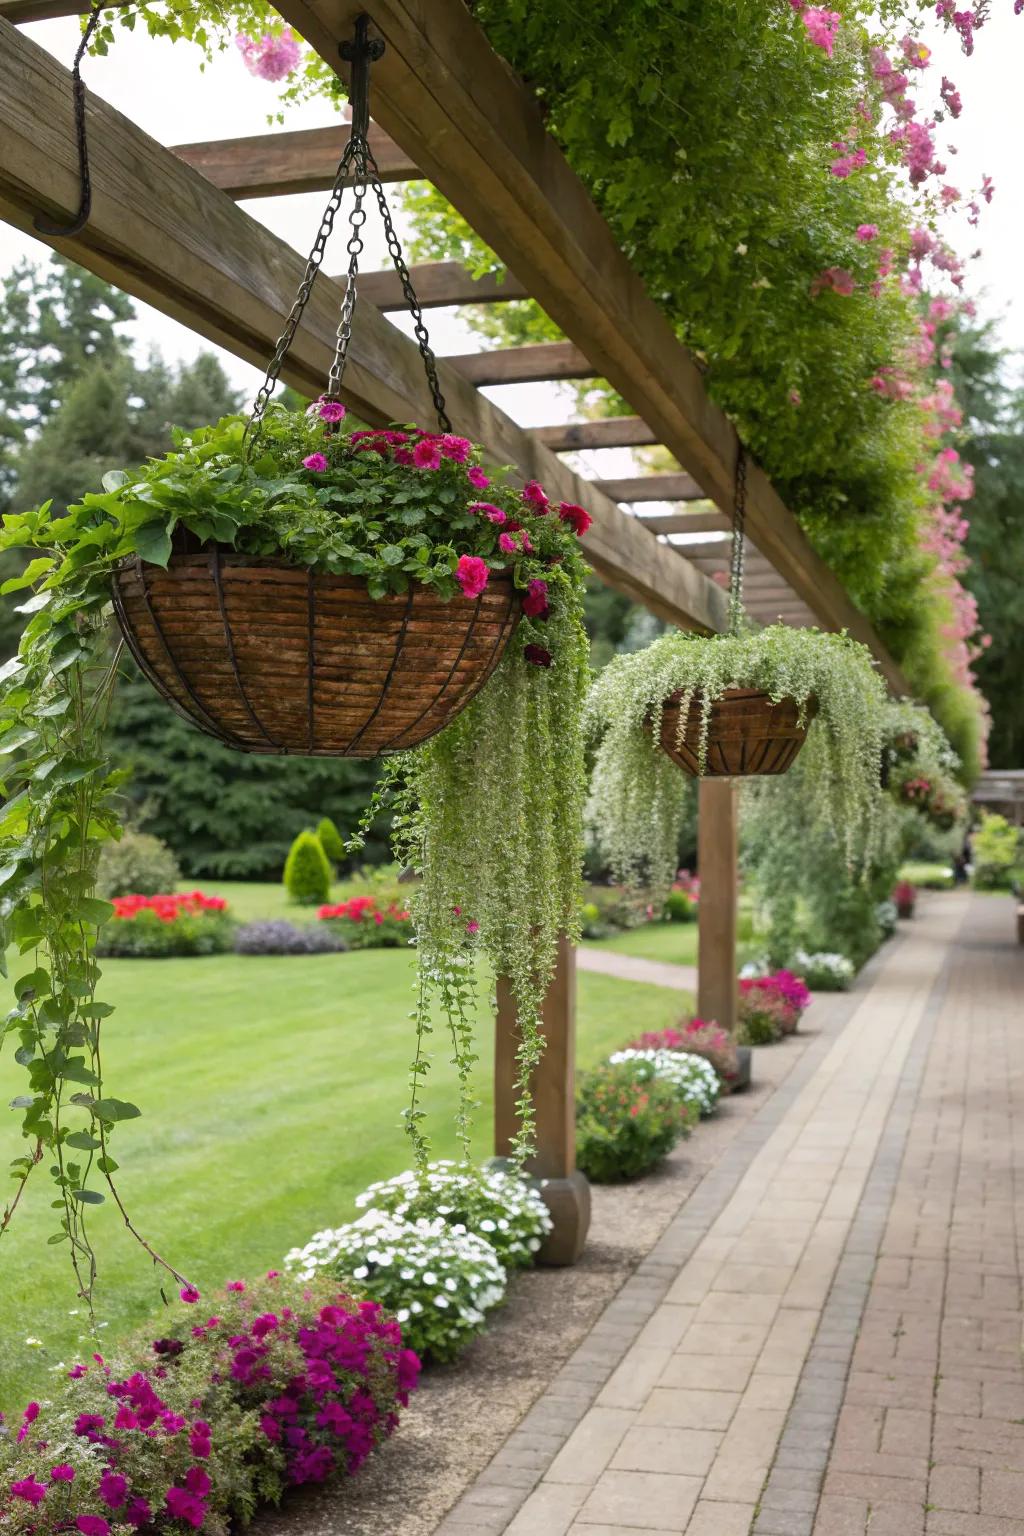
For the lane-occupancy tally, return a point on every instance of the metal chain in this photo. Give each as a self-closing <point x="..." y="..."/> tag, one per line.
<point x="739" y="516"/>
<point x="356" y="219"/>
<point x="77" y="224"/>
<point x="291" y="325"/>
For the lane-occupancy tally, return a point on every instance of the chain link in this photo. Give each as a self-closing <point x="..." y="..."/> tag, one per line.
<point x="75" y="226"/>
<point x="739" y="517"/>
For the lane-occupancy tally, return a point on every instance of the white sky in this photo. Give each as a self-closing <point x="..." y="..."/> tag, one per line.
<point x="159" y="86"/>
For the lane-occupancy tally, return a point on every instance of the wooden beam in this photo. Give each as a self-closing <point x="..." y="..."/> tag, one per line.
<point x="163" y="233"/>
<point x="714" y="552"/>
<point x="438" y="283"/>
<point x="565" y="1191"/>
<point x="18" y="12"/>
<point x="667" y="487"/>
<point x="478" y="133"/>
<point x="685" y="522"/>
<point x="274" y="164"/>
<point x="538" y="363"/>
<point x="717" y="865"/>
<point x="611" y="432"/>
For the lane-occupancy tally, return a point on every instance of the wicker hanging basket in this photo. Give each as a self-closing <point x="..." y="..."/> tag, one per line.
<point x="272" y="658"/>
<point x="747" y="734"/>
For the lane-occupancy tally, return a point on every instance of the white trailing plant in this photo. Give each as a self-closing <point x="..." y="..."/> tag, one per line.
<point x="637" y="792"/>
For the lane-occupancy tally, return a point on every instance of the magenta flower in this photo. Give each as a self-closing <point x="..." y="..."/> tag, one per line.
<point x="62" y="1474"/>
<point x="507" y="543"/>
<point x="235" y="1285"/>
<point x="456" y="448"/>
<point x="77" y="1372"/>
<point x="537" y="656"/>
<point x="138" y="1513"/>
<point x="534" y="492"/>
<point x="189" y="1294"/>
<point x="427" y="454"/>
<point x="113" y="1489"/>
<point x="28" y="1418"/>
<point x="834" y="279"/>
<point x="491" y="512"/>
<point x="477" y="479"/>
<point x="473" y="926"/>
<point x="821" y="27"/>
<point x="315" y="461"/>
<point x="93" y="1525"/>
<point x="867" y="232"/>
<point x="28" y="1489"/>
<point x="472" y="575"/>
<point x="578" y="518"/>
<point x="331" y="410"/>
<point x="795" y="397"/>
<point x="535" y="602"/>
<point x="269" y="57"/>
<point x="181" y="1505"/>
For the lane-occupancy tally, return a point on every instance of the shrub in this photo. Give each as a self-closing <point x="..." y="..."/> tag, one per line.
<point x="139" y="864"/>
<point x="994" y="854"/>
<point x="620" y="907"/>
<point x="626" y="1121"/>
<point x="330" y="840"/>
<point x="887" y="916"/>
<point x="693" y="1078"/>
<point x="365" y="924"/>
<point x="825" y="971"/>
<point x="699" y="1037"/>
<point x="679" y="907"/>
<point x="307" y="874"/>
<point x="438" y="1283"/>
<point x="275" y="936"/>
<point x="500" y="1207"/>
<point x="287" y="1384"/>
<point x="592" y="925"/>
<point x="157" y="927"/>
<point x="770" y="1006"/>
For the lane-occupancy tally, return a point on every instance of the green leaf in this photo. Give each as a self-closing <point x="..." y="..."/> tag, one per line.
<point x="35" y="984"/>
<point x="58" y="1237"/>
<point x="113" y="1110"/>
<point x="88" y="1196"/>
<point x="95" y="910"/>
<point x="31" y="573"/>
<point x="83" y="1141"/>
<point x="114" y="479"/>
<point x="153" y="543"/>
<point x="12" y="668"/>
<point x="107" y="1165"/>
<point x="20" y="736"/>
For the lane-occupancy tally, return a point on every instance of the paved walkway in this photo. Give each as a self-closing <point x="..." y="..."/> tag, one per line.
<point x="658" y="973"/>
<point x="826" y="1341"/>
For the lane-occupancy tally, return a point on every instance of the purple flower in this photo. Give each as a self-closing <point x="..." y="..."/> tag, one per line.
<point x="189" y="1294"/>
<point x="113" y="1489"/>
<point x="62" y="1474"/>
<point x="315" y="461"/>
<point x="93" y="1525"/>
<point x="138" y="1513"/>
<point x="537" y="656"/>
<point x="199" y="1439"/>
<point x="182" y="1505"/>
<point x="29" y="1490"/>
<point x="535" y="602"/>
<point x="28" y="1417"/>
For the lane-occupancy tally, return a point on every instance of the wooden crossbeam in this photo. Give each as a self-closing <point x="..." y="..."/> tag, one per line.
<point x="535" y="364"/>
<point x="612" y="432"/>
<point x="668" y="487"/>
<point x="19" y="11"/>
<point x="271" y="164"/>
<point x="477" y="132"/>
<point x="686" y="522"/>
<point x="162" y="232"/>
<point x="438" y="283"/>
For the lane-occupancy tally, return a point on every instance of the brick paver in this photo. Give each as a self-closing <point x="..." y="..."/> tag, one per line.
<point x="826" y="1341"/>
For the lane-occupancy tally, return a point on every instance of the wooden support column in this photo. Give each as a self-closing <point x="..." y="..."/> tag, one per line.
<point x="565" y="1190"/>
<point x="717" y="855"/>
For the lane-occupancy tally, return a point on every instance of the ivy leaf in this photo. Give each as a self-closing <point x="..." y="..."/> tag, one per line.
<point x="35" y="984"/>
<point x="82" y="1141"/>
<point x="97" y="911"/>
<point x="88" y="1196"/>
<point x="153" y="543"/>
<point x="114" y="479"/>
<point x="112" y="1110"/>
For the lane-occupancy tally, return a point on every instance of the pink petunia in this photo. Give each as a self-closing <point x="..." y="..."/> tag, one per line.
<point x="537" y="656"/>
<point x="28" y="1489"/>
<point x="315" y="461"/>
<point x="427" y="455"/>
<point x="331" y="410"/>
<point x="578" y="518"/>
<point x="93" y="1525"/>
<point x="62" y="1474"/>
<point x="867" y="232"/>
<point x="507" y="544"/>
<point x="189" y="1294"/>
<point x="535" y="601"/>
<point x="472" y="575"/>
<point x="455" y="448"/>
<point x="473" y="926"/>
<point x="534" y="493"/>
<point x="477" y="479"/>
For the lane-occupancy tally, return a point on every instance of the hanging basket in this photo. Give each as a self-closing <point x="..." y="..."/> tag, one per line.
<point x="273" y="658"/>
<point x="748" y="734"/>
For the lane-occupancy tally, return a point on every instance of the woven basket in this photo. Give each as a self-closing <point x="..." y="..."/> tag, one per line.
<point x="747" y="734"/>
<point x="273" y="658"/>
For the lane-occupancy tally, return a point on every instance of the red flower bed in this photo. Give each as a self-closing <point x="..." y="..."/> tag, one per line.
<point x="368" y="925"/>
<point x="168" y="907"/>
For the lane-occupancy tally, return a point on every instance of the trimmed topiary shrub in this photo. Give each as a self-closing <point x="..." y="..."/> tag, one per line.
<point x="287" y="1383"/>
<point x="138" y="865"/>
<point x="500" y="1207"/>
<point x="330" y="840"/>
<point x="307" y="874"/>
<point x="626" y="1121"/>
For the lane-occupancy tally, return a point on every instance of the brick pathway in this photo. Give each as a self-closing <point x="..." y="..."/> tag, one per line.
<point x="826" y="1342"/>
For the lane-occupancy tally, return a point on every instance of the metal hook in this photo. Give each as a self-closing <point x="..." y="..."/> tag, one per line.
<point x="360" y="53"/>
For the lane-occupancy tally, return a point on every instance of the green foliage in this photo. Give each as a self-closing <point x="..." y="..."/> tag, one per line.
<point x="996" y="854"/>
<point x="678" y="907"/>
<point x="627" y="1119"/>
<point x="307" y="874"/>
<point x="638" y="793"/>
<point x="139" y="864"/>
<point x="146" y="936"/>
<point x="330" y="840"/>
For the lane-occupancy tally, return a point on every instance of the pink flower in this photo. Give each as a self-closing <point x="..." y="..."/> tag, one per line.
<point x="28" y="1417"/>
<point x="821" y="26"/>
<point x="62" y="1474"/>
<point x="850" y="159"/>
<point x="472" y="575"/>
<point x="534" y="492"/>
<point x="867" y="232"/>
<point x="427" y="454"/>
<point x="28" y="1489"/>
<point x="507" y="543"/>
<point x="331" y="410"/>
<point x="315" y="461"/>
<point x="988" y="186"/>
<point x="473" y="926"/>
<point x="951" y="97"/>
<point x="181" y="1505"/>
<point x="189" y="1294"/>
<point x="834" y="279"/>
<point x="915" y="53"/>
<point x="491" y="512"/>
<point x="93" y="1525"/>
<point x="269" y="57"/>
<point x="113" y="1488"/>
<point x="795" y="397"/>
<point x="138" y="1513"/>
<point x="477" y="479"/>
<point x="404" y="456"/>
<point x="578" y="518"/>
<point x="77" y="1372"/>
<point x="457" y="448"/>
<point x="235" y="1285"/>
<point x="535" y="602"/>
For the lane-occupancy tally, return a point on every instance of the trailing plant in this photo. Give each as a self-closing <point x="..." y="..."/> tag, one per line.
<point x="697" y="1037"/>
<point x="289" y="1383"/>
<point x="439" y="1284"/>
<point x="693" y="1078"/>
<point x="150" y="927"/>
<point x="627" y="1119"/>
<point x="362" y="922"/>
<point x="137" y="864"/>
<point x="503" y="1208"/>
<point x="307" y="874"/>
<point x="274" y="936"/>
<point x="637" y="792"/>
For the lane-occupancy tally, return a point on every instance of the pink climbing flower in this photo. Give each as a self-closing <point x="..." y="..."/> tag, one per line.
<point x="457" y="448"/>
<point x="472" y="575"/>
<point x="269" y="57"/>
<point x="951" y="97"/>
<point x="915" y="53"/>
<point x="849" y="159"/>
<point x="988" y="186"/>
<point x="477" y="479"/>
<point x="834" y="280"/>
<point x="867" y="232"/>
<point x="316" y="462"/>
<point x="427" y="454"/>
<point x="534" y="492"/>
<point x="330" y="410"/>
<point x="821" y="26"/>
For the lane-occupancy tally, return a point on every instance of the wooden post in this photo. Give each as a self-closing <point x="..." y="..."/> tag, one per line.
<point x="717" y="849"/>
<point x="565" y="1190"/>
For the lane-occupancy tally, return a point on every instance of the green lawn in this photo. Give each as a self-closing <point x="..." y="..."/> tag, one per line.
<point x="674" y="942"/>
<point x="251" y="899"/>
<point x="271" y="1092"/>
<point x="919" y="873"/>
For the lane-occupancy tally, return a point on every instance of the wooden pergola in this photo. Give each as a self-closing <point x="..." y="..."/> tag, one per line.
<point x="165" y="227"/>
